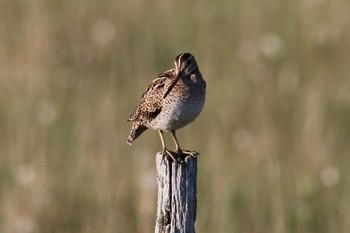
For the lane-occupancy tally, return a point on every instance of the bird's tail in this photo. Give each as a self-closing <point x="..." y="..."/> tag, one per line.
<point x="136" y="130"/>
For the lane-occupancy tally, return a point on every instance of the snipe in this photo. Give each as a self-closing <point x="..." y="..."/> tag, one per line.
<point x="172" y="100"/>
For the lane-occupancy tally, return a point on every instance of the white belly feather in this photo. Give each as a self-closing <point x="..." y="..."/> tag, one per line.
<point x="181" y="112"/>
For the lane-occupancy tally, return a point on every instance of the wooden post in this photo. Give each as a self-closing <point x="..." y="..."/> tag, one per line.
<point x="177" y="195"/>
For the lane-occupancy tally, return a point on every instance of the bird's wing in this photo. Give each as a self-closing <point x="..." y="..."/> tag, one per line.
<point x="151" y="100"/>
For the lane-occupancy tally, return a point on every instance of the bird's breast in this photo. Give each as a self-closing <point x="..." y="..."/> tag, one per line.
<point x="178" y="111"/>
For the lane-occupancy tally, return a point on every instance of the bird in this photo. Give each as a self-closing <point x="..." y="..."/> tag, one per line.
<point x="171" y="101"/>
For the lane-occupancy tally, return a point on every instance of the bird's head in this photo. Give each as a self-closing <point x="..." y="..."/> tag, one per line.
<point x="185" y="65"/>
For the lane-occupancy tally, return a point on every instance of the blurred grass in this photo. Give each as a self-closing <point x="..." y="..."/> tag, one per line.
<point x="273" y="135"/>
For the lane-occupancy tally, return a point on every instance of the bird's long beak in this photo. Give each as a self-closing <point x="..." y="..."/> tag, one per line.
<point x="177" y="77"/>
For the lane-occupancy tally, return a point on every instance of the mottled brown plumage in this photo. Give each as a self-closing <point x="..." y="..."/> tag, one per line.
<point x="172" y="100"/>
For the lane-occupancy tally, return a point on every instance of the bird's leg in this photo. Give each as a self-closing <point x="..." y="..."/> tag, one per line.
<point x="178" y="148"/>
<point x="165" y="151"/>
<point x="173" y="135"/>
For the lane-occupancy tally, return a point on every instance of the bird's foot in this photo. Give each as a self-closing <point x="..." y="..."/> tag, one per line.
<point x="187" y="153"/>
<point x="179" y="155"/>
<point x="169" y="153"/>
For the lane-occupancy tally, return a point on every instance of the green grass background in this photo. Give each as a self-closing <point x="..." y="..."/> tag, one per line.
<point x="274" y="135"/>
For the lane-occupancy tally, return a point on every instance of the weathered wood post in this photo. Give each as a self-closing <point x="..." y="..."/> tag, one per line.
<point x="177" y="195"/>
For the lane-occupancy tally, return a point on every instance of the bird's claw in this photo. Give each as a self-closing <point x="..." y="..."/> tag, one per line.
<point x="179" y="155"/>
<point x="186" y="154"/>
